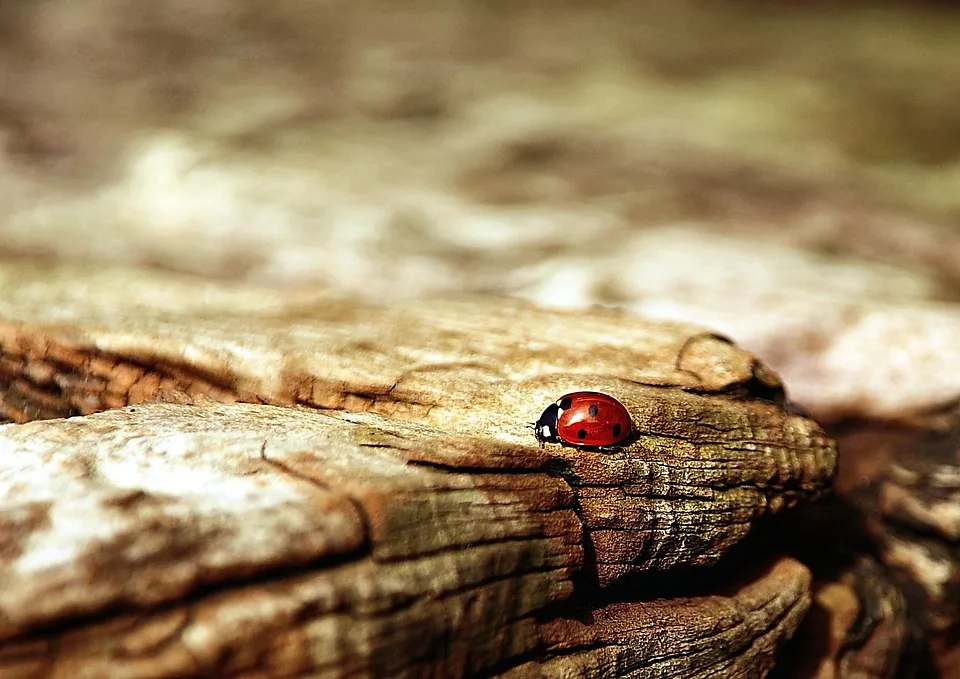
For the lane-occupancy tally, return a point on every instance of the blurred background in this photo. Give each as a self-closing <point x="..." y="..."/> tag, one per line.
<point x="758" y="167"/>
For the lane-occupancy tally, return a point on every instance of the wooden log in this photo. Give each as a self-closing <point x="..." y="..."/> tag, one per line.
<point x="378" y="506"/>
<point x="716" y="447"/>
<point x="248" y="540"/>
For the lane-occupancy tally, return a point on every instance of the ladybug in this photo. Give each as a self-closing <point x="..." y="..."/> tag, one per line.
<point x="586" y="419"/>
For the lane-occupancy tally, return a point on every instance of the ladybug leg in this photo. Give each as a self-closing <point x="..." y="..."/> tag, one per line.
<point x="622" y="444"/>
<point x="593" y="449"/>
<point x="536" y="433"/>
<point x="610" y="449"/>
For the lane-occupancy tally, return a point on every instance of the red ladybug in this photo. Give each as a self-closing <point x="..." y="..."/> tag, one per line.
<point x="584" y="418"/>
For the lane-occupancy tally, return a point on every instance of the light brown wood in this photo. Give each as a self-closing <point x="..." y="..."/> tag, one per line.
<point x="379" y="505"/>
<point x="716" y="447"/>
<point x="175" y="540"/>
<point x="736" y="634"/>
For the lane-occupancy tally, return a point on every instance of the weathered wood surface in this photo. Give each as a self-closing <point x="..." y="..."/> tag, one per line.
<point x="334" y="544"/>
<point x="400" y="520"/>
<point x="358" y="556"/>
<point x="736" y="634"/>
<point x="716" y="447"/>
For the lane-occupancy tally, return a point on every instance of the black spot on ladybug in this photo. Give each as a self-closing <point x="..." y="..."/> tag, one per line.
<point x="593" y="410"/>
<point x="617" y="429"/>
<point x="582" y="434"/>
<point x="566" y="403"/>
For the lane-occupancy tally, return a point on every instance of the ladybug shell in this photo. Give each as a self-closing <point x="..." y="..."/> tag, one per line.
<point x="591" y="419"/>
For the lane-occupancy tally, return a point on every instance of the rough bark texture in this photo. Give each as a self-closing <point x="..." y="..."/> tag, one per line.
<point x="737" y="635"/>
<point x="715" y="448"/>
<point x="361" y="558"/>
<point x="249" y="540"/>
<point x="407" y="509"/>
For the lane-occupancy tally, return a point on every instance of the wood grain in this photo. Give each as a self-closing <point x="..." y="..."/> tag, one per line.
<point x="717" y="447"/>
<point x="248" y="540"/>
<point x="211" y="479"/>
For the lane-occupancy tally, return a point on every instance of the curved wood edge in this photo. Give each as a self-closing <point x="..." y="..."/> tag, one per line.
<point x="737" y="634"/>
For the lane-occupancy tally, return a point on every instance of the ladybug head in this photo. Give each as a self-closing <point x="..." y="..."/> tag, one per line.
<point x="545" y="429"/>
